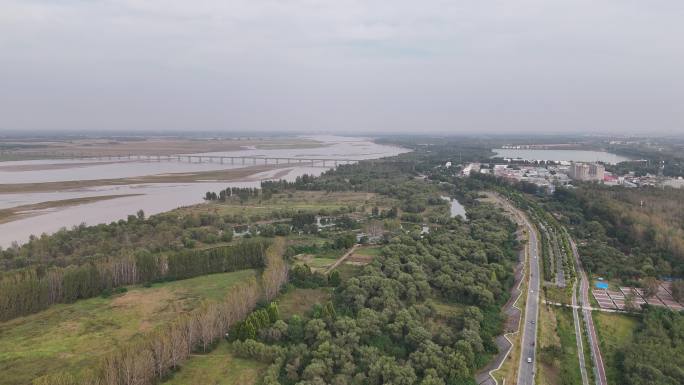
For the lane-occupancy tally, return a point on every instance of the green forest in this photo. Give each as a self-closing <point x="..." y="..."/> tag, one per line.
<point x="382" y="325"/>
<point x="655" y="355"/>
<point x="385" y="322"/>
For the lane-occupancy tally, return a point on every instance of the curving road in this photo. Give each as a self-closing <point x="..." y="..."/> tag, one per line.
<point x="526" y="371"/>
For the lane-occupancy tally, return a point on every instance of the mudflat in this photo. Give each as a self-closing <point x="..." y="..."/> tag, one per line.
<point x="144" y="146"/>
<point x="18" y="212"/>
<point x="187" y="177"/>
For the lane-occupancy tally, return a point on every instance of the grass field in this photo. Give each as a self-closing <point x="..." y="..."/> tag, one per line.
<point x="444" y="309"/>
<point x="369" y="251"/>
<point x="549" y="369"/>
<point x="299" y="301"/>
<point x="320" y="263"/>
<point x="557" y="294"/>
<point x="73" y="336"/>
<point x="569" y="361"/>
<point x="219" y="367"/>
<point x="320" y="260"/>
<point x="348" y="270"/>
<point x="615" y="331"/>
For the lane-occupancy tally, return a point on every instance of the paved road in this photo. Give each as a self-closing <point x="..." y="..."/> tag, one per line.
<point x="599" y="369"/>
<point x="578" y="336"/>
<point x="527" y="370"/>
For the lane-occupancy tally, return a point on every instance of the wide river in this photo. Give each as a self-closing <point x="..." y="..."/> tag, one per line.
<point x="560" y="155"/>
<point x="153" y="198"/>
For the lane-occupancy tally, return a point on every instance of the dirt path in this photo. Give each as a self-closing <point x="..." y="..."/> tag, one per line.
<point x="342" y="258"/>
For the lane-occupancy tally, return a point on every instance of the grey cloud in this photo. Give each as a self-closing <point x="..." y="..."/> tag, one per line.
<point x="344" y="66"/>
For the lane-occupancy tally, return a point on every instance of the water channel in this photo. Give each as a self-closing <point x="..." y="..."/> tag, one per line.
<point x="153" y="198"/>
<point x="455" y="207"/>
<point x="559" y="155"/>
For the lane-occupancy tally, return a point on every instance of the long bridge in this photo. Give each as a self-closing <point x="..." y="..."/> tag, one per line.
<point x="222" y="159"/>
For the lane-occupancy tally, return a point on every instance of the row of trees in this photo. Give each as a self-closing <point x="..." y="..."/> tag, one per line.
<point x="243" y="193"/>
<point x="153" y="357"/>
<point x="33" y="289"/>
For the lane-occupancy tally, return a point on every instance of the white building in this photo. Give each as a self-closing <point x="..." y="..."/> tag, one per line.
<point x="587" y="171"/>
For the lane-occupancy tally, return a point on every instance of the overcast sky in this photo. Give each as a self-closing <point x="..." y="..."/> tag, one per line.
<point x="348" y="66"/>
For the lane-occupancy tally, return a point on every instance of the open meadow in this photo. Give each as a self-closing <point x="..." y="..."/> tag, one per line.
<point x="73" y="336"/>
<point x="615" y="332"/>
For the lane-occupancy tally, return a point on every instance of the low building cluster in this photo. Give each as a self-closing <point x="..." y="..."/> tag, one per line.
<point x="550" y="175"/>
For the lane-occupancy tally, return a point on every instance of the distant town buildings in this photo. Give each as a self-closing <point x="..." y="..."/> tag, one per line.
<point x="470" y="168"/>
<point x="587" y="171"/>
<point x="549" y="175"/>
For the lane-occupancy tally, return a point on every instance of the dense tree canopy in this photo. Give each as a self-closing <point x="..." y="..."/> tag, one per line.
<point x="383" y="326"/>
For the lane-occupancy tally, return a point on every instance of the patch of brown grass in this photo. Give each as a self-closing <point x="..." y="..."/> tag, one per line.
<point x="299" y="301"/>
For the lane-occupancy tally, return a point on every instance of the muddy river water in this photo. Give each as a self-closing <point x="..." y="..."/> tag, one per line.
<point x="153" y="198"/>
